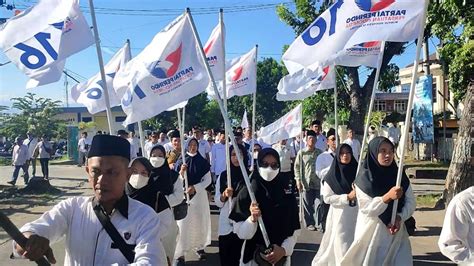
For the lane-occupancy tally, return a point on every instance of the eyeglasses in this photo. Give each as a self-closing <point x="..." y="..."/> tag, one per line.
<point x="274" y="166"/>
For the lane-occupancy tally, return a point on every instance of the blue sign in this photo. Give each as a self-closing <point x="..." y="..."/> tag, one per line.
<point x="423" y="129"/>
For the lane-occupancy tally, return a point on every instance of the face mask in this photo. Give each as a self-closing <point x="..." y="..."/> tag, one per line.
<point x="138" y="181"/>
<point x="191" y="154"/>
<point x="157" y="161"/>
<point x="255" y="155"/>
<point x="268" y="173"/>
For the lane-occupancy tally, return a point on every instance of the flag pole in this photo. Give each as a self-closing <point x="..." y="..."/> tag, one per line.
<point x="302" y="220"/>
<point x="183" y="154"/>
<point x="224" y="95"/>
<point x="409" y="108"/>
<point x="336" y="129"/>
<point x="254" y="110"/>
<point x="101" y="65"/>
<point x="226" y="119"/>
<point x="371" y="106"/>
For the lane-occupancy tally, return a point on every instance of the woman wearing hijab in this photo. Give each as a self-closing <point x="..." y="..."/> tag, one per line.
<point x="277" y="208"/>
<point x="147" y="187"/>
<point x="195" y="228"/>
<point x="230" y="244"/>
<point x="172" y="187"/>
<point x="339" y="193"/>
<point x="376" y="240"/>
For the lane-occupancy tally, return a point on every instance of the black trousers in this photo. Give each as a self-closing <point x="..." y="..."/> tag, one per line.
<point x="229" y="249"/>
<point x="44" y="167"/>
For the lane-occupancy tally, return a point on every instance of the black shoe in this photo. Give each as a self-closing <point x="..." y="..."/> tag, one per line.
<point x="11" y="183"/>
<point x="201" y="254"/>
<point x="179" y="262"/>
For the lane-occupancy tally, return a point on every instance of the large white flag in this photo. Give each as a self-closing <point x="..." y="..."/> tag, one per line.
<point x="245" y="121"/>
<point x="286" y="127"/>
<point x="241" y="75"/>
<point x="168" y="71"/>
<point x="91" y="93"/>
<point x="365" y="54"/>
<point x="39" y="39"/>
<point x="215" y="53"/>
<point x="306" y="82"/>
<point x="347" y="23"/>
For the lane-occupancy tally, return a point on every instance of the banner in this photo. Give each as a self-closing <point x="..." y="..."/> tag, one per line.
<point x="245" y="121"/>
<point x="39" y="39"/>
<point x="91" y="93"/>
<point x="362" y="54"/>
<point x="347" y="23"/>
<point x="167" y="72"/>
<point x="286" y="127"/>
<point x="423" y="129"/>
<point x="241" y="75"/>
<point x="214" y="52"/>
<point x="306" y="82"/>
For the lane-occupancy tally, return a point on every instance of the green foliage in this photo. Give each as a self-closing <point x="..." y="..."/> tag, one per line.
<point x="389" y="78"/>
<point x="452" y="21"/>
<point x="376" y="119"/>
<point x="35" y="114"/>
<point x="87" y="125"/>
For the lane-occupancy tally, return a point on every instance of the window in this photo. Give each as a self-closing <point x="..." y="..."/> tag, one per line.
<point x="120" y="119"/>
<point x="87" y="119"/>
<point x="380" y="105"/>
<point x="400" y="106"/>
<point x="434" y="90"/>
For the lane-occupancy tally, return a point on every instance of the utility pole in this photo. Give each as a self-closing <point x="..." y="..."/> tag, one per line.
<point x="66" y="87"/>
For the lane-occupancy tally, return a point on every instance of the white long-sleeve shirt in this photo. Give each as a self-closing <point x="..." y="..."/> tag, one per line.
<point x="225" y="224"/>
<point x="323" y="163"/>
<point x="456" y="240"/>
<point x="218" y="163"/>
<point x="20" y="154"/>
<point x="177" y="196"/>
<point x="285" y="157"/>
<point x="31" y="143"/>
<point x="74" y="218"/>
<point x="355" y="145"/>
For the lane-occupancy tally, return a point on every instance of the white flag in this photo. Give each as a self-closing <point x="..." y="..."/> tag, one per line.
<point x="168" y="71"/>
<point x="286" y="127"/>
<point x="347" y="23"/>
<point x="241" y="75"/>
<point x="215" y="53"/>
<point x="245" y="121"/>
<point x="306" y="82"/>
<point x="91" y="93"/>
<point x="179" y="105"/>
<point x="39" y="39"/>
<point x="365" y="54"/>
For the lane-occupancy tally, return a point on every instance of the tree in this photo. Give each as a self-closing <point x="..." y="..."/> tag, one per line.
<point x="358" y="95"/>
<point x="452" y="21"/>
<point x="35" y="114"/>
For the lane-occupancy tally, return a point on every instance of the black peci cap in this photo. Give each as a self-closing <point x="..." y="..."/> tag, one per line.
<point x="107" y="145"/>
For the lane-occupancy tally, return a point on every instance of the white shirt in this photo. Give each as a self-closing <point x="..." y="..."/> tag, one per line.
<point x="20" y="154"/>
<point x="204" y="148"/>
<point x="355" y="145"/>
<point x="323" y="163"/>
<point x="321" y="142"/>
<point x="163" y="142"/>
<point x="135" y="144"/>
<point x="456" y="240"/>
<point x="148" y="146"/>
<point x="82" y="144"/>
<point x="218" y="163"/>
<point x="296" y="146"/>
<point x="225" y="224"/>
<point x="168" y="147"/>
<point x="31" y="146"/>
<point x="75" y="219"/>
<point x="285" y="157"/>
<point x="393" y="135"/>
<point x="42" y="150"/>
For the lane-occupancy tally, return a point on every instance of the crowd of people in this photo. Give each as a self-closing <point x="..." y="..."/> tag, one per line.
<point x="154" y="203"/>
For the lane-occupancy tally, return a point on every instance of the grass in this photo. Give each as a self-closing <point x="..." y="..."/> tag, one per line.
<point x="428" y="201"/>
<point x="426" y="164"/>
<point x="5" y="161"/>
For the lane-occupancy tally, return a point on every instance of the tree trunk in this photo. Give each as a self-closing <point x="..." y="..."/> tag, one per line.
<point x="461" y="170"/>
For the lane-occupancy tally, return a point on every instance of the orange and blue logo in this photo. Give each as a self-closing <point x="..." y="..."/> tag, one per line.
<point x="168" y="67"/>
<point x="373" y="5"/>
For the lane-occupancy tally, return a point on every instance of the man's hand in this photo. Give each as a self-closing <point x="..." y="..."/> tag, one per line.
<point x="277" y="253"/>
<point x="36" y="247"/>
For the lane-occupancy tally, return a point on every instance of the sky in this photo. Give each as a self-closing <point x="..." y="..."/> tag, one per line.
<point x="247" y="23"/>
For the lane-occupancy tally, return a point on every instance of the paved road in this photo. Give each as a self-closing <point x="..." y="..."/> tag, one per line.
<point x="72" y="181"/>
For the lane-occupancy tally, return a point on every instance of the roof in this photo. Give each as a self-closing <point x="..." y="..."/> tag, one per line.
<point x="391" y="96"/>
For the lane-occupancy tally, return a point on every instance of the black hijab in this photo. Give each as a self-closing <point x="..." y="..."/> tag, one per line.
<point x="197" y="166"/>
<point x="235" y="174"/>
<point x="341" y="176"/>
<point x="163" y="174"/>
<point x="376" y="180"/>
<point x="279" y="210"/>
<point x="148" y="194"/>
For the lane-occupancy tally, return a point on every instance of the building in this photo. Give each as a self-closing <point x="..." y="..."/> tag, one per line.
<point x="75" y="115"/>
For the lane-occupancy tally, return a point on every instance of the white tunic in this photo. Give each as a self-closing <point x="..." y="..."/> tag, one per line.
<point x="340" y="228"/>
<point x="323" y="163"/>
<point x="195" y="228"/>
<point x="87" y="243"/>
<point x="247" y="229"/>
<point x="20" y="155"/>
<point x="457" y="236"/>
<point x="373" y="244"/>
<point x="31" y="143"/>
<point x="218" y="163"/>
<point x="225" y="224"/>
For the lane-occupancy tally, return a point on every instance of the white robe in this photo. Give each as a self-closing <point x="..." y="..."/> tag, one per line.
<point x="373" y="244"/>
<point x="340" y="228"/>
<point x="457" y="236"/>
<point x="195" y="228"/>
<point x="87" y="243"/>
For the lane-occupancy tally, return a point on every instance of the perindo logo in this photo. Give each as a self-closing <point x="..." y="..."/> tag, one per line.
<point x="238" y="80"/>
<point x="321" y="76"/>
<point x="373" y="5"/>
<point x="168" y="67"/>
<point x="375" y="12"/>
<point x="237" y="73"/>
<point x="365" y="48"/>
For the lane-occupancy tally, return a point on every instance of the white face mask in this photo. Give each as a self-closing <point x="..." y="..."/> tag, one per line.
<point x="138" y="181"/>
<point x="255" y="155"/>
<point x="268" y="173"/>
<point x="157" y="161"/>
<point x="191" y="154"/>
